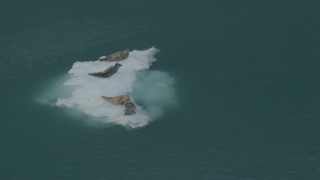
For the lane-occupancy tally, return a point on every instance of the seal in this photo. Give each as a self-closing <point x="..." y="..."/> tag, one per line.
<point x="118" y="56"/>
<point x="108" y="72"/>
<point x="130" y="109"/>
<point x="118" y="100"/>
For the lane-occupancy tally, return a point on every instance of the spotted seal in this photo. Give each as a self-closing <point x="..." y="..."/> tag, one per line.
<point x="118" y="56"/>
<point x="108" y="72"/>
<point x="130" y="107"/>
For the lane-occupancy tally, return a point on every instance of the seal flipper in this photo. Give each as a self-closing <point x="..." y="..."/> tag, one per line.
<point x="107" y="98"/>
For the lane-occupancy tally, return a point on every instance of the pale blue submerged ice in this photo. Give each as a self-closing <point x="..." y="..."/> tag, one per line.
<point x="153" y="89"/>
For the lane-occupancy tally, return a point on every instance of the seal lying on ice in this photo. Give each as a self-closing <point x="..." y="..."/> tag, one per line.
<point x="130" y="107"/>
<point x="108" y="72"/>
<point x="118" y="56"/>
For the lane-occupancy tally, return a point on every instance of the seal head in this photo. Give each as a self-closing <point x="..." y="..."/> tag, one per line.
<point x="130" y="109"/>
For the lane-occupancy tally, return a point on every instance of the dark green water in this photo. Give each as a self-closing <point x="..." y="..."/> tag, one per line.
<point x="247" y="82"/>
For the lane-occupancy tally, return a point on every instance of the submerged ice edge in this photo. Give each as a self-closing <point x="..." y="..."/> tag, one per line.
<point x="87" y="90"/>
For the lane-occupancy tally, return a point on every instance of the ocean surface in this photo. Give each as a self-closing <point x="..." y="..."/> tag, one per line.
<point x="243" y="75"/>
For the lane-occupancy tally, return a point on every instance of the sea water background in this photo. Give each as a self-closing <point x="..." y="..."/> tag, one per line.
<point x="247" y="81"/>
